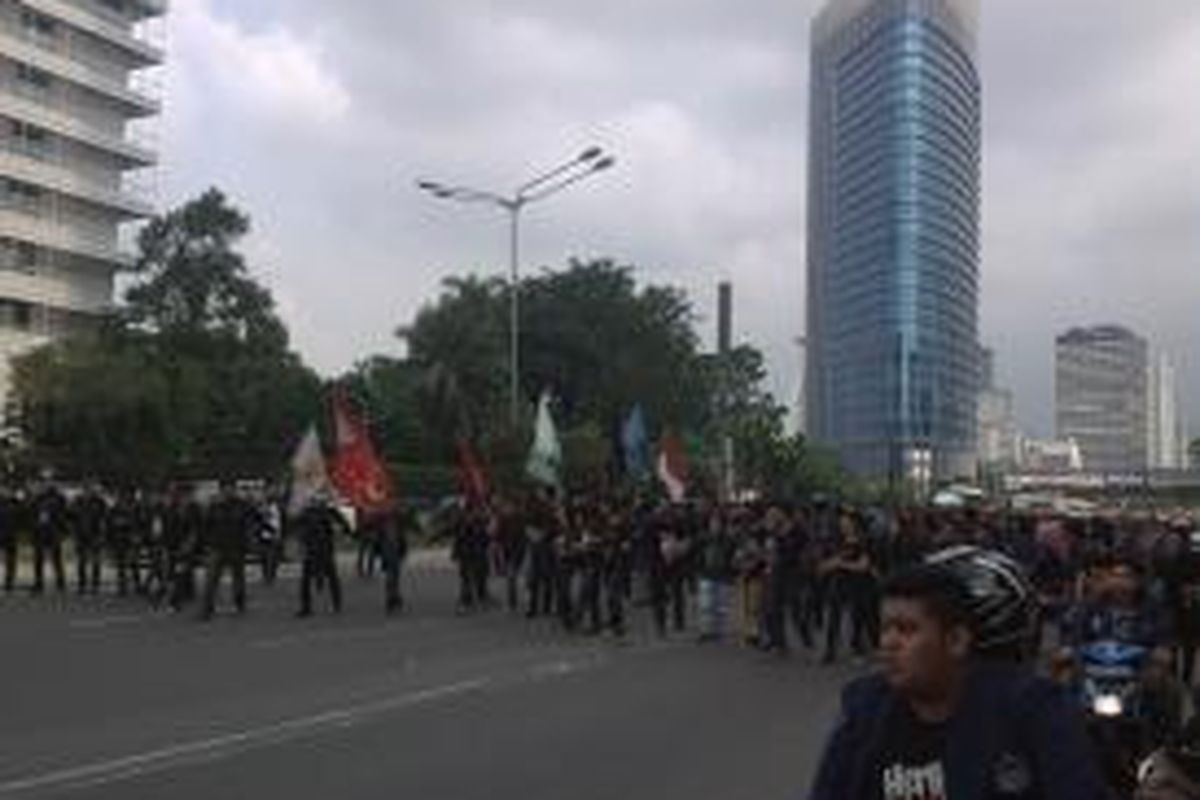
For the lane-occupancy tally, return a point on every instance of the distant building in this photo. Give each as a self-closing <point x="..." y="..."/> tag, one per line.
<point x="1102" y="398"/>
<point x="893" y="236"/>
<point x="997" y="443"/>
<point x="1050" y="457"/>
<point x="67" y="97"/>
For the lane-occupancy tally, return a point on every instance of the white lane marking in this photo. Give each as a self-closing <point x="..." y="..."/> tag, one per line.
<point x="338" y="634"/>
<point x="229" y="744"/>
<point x="556" y="669"/>
<point x="108" y="622"/>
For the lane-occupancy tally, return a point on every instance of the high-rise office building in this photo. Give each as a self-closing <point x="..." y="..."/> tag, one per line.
<point x="1101" y="397"/>
<point x="893" y="235"/>
<point x="69" y="95"/>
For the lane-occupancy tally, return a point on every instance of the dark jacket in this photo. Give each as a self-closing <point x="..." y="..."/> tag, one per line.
<point x="1011" y="722"/>
<point x="229" y="526"/>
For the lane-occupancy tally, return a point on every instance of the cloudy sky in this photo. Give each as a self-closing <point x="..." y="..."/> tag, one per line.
<point x="318" y="116"/>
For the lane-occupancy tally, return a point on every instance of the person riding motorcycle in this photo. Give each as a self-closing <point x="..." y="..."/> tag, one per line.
<point x="1113" y="657"/>
<point x="1114" y="608"/>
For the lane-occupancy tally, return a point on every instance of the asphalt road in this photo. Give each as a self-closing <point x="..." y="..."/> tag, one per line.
<point x="102" y="698"/>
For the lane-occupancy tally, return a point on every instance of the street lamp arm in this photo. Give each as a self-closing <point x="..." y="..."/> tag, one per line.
<point x="585" y="158"/>
<point x="549" y="176"/>
<point x="587" y="163"/>
<point x="569" y="181"/>
<point x="465" y="194"/>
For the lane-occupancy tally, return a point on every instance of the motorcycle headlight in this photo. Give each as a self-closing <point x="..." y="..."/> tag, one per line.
<point x="1108" y="705"/>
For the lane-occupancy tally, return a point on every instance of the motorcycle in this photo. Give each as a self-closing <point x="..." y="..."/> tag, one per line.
<point x="1111" y="692"/>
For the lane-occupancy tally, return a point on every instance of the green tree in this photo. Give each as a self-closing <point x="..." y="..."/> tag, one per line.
<point x="194" y="287"/>
<point x="94" y="407"/>
<point x="601" y="344"/>
<point x="588" y="334"/>
<point x="1194" y="454"/>
<point x="193" y="376"/>
<point x="460" y="344"/>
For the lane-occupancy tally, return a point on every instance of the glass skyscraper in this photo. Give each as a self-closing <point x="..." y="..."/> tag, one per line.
<point x="893" y="236"/>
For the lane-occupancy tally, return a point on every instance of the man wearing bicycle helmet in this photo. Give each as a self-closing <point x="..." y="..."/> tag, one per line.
<point x="953" y="713"/>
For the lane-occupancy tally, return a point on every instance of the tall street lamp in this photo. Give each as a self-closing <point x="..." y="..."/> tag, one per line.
<point x="583" y="166"/>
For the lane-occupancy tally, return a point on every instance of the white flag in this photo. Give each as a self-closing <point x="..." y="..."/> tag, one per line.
<point x="309" y="476"/>
<point x="545" y="457"/>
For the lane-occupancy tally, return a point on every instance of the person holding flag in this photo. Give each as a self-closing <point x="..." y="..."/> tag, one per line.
<point x="317" y="522"/>
<point x="543" y="530"/>
<point x="360" y="477"/>
<point x="317" y="527"/>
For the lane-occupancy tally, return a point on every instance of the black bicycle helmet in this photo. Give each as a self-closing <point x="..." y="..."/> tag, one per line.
<point x="1173" y="772"/>
<point x="1001" y="600"/>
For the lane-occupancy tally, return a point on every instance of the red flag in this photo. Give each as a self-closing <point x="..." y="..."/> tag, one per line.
<point x="356" y="471"/>
<point x="471" y="475"/>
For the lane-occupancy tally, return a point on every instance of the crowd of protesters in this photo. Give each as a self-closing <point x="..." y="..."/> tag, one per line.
<point x="767" y="575"/>
<point x="773" y="574"/>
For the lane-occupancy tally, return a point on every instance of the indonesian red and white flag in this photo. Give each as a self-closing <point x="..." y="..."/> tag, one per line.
<point x="357" y="472"/>
<point x="672" y="467"/>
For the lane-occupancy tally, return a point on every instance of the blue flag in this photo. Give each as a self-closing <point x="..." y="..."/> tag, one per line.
<point x="635" y="445"/>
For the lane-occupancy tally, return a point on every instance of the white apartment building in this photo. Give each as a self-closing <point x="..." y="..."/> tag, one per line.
<point x="998" y="448"/>
<point x="72" y="91"/>
<point x="1166" y="434"/>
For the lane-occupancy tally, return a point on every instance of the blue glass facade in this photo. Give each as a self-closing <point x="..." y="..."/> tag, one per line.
<point x="893" y="235"/>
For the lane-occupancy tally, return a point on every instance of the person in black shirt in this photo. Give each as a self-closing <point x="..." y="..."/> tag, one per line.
<point x="183" y="524"/>
<point x="10" y="534"/>
<point x="716" y="571"/>
<point x="318" y="526"/>
<point x="119" y="533"/>
<point x="89" y="512"/>
<point x="617" y="553"/>
<point x="784" y="588"/>
<point x="50" y="526"/>
<point x="669" y="571"/>
<point x="849" y="575"/>
<point x="542" y="529"/>
<point x="228" y="526"/>
<point x="470" y="552"/>
<point x="510" y="533"/>
<point x="388" y="528"/>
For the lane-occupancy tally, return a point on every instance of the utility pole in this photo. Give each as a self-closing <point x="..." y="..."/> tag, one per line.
<point x="724" y="349"/>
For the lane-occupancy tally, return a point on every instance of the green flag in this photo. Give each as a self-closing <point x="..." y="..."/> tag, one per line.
<point x="545" y="457"/>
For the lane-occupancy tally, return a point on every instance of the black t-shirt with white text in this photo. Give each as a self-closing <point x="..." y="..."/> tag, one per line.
<point x="913" y="764"/>
<point x="912" y="761"/>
